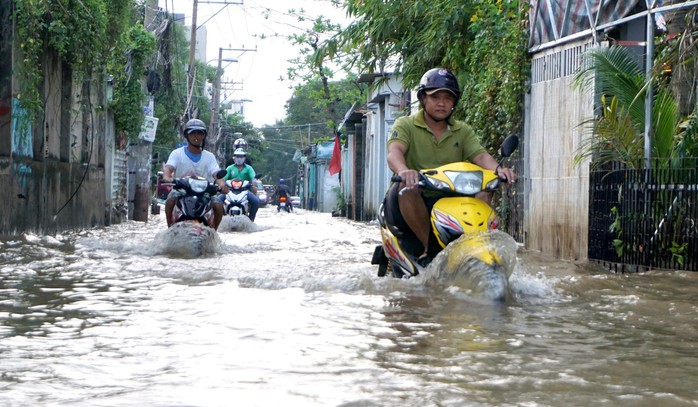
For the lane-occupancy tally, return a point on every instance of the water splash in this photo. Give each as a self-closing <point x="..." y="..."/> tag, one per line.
<point x="187" y="240"/>
<point x="237" y="224"/>
<point x="478" y="265"/>
<point x="533" y="288"/>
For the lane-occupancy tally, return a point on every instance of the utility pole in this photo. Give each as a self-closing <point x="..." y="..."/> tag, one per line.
<point x="649" y="96"/>
<point x="140" y="153"/>
<point x="216" y="102"/>
<point x="214" y="126"/>
<point x="191" y="72"/>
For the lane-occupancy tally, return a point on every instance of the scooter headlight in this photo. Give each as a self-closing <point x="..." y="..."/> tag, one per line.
<point x="198" y="185"/>
<point x="438" y="184"/>
<point x="466" y="182"/>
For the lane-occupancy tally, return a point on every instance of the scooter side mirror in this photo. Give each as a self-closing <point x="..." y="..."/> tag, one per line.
<point x="510" y="144"/>
<point x="221" y="174"/>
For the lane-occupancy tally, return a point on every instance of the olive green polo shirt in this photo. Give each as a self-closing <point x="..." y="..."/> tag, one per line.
<point x="458" y="143"/>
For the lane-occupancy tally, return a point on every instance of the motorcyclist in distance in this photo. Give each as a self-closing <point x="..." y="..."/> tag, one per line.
<point x="283" y="190"/>
<point x="240" y="143"/>
<point x="428" y="139"/>
<point x="240" y="170"/>
<point x="193" y="160"/>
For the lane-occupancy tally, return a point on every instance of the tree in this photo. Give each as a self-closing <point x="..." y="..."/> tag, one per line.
<point x="619" y="77"/>
<point x="89" y="37"/>
<point x="411" y="36"/>
<point x="171" y="95"/>
<point x="127" y="68"/>
<point x="311" y="69"/>
<point x="309" y="104"/>
<point x="326" y="81"/>
<point x="677" y="65"/>
<point x="279" y="145"/>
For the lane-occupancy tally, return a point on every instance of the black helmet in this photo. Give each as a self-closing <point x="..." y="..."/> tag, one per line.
<point x="195" y="125"/>
<point x="437" y="79"/>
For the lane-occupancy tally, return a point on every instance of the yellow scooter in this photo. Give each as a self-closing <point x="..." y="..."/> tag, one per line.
<point x="458" y="215"/>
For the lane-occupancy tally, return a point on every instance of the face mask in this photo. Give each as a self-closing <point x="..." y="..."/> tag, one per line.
<point x="239" y="160"/>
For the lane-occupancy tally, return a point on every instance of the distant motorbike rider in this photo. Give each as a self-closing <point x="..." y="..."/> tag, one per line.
<point x="240" y="170"/>
<point x="239" y="143"/>
<point x="283" y="190"/>
<point x="428" y="139"/>
<point x="192" y="160"/>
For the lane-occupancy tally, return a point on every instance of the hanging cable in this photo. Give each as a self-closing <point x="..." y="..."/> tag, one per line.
<point x="89" y="157"/>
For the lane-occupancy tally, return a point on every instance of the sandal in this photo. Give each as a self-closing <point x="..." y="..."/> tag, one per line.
<point x="424" y="260"/>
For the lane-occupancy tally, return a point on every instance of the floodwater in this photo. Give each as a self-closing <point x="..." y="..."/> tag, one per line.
<point x="289" y="312"/>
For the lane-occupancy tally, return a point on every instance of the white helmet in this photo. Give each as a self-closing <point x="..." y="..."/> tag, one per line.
<point x="239" y="156"/>
<point x="240" y="143"/>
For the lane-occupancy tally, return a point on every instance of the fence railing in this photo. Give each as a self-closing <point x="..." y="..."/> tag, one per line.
<point x="643" y="219"/>
<point x="511" y="203"/>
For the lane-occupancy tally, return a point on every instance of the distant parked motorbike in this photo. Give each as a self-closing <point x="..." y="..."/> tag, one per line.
<point x="236" y="203"/>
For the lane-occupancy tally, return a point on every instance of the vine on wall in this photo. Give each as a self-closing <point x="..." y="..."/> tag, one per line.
<point x="90" y="36"/>
<point x="496" y="70"/>
<point x="484" y="42"/>
<point x="128" y="67"/>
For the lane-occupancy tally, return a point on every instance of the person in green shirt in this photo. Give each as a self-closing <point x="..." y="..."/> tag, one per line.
<point x="428" y="139"/>
<point x="239" y="170"/>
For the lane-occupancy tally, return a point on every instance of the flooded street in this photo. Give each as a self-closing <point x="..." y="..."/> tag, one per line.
<point x="289" y="312"/>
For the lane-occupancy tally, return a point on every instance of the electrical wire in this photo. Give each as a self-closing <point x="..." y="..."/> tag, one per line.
<point x="89" y="157"/>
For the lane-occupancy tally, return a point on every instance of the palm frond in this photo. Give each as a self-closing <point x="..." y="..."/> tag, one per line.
<point x="612" y="138"/>
<point x="664" y="125"/>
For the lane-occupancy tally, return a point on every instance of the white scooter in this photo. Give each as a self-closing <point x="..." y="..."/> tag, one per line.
<point x="236" y="203"/>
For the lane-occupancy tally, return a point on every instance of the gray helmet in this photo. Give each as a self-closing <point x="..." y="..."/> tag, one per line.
<point x="192" y="126"/>
<point x="437" y="79"/>
<point x="195" y="125"/>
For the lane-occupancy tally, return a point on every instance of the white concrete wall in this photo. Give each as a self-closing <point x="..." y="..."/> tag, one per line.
<point x="383" y="112"/>
<point x="558" y="191"/>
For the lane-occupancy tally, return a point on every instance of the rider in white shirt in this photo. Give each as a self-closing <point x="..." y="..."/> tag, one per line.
<point x="193" y="160"/>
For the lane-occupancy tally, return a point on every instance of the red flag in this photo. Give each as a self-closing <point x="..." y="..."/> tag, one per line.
<point x="336" y="161"/>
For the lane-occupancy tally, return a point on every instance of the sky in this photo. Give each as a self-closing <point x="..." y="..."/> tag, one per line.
<point x="258" y="70"/>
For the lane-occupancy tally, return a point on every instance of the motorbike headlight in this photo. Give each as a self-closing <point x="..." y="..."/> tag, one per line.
<point x="198" y="185"/>
<point x="466" y="182"/>
<point x="438" y="184"/>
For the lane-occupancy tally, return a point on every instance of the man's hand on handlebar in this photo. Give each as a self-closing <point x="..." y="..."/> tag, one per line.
<point x="409" y="177"/>
<point x="506" y="174"/>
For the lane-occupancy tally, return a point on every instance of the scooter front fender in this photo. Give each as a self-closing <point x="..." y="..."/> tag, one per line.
<point x="455" y="216"/>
